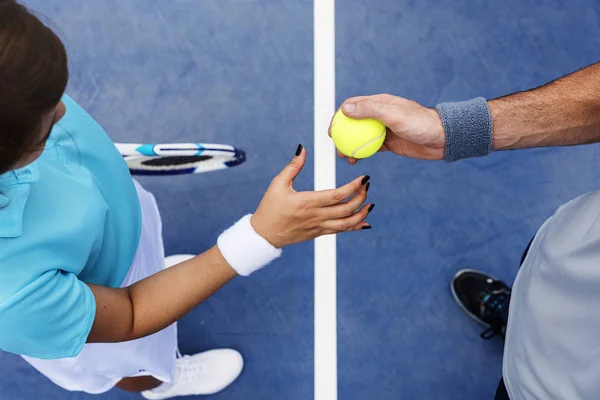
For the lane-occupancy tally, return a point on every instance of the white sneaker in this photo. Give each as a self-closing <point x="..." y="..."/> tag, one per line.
<point x="176" y="259"/>
<point x="202" y="374"/>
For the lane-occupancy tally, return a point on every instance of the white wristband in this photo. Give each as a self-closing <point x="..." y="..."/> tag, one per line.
<point x="244" y="249"/>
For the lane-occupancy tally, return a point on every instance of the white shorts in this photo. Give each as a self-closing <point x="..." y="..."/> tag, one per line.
<point x="99" y="367"/>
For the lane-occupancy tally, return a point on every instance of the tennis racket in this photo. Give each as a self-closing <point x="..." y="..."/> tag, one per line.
<point x="179" y="158"/>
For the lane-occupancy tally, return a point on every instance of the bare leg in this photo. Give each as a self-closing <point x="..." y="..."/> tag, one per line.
<point x="138" y="384"/>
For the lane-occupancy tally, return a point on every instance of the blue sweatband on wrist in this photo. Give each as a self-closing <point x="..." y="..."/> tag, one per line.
<point x="468" y="127"/>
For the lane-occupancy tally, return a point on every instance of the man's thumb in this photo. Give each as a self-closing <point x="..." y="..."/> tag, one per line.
<point x="367" y="109"/>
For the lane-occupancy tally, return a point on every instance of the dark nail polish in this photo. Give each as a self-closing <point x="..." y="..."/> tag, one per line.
<point x="299" y="150"/>
<point x="365" y="179"/>
<point x="367" y="227"/>
<point x="371" y="207"/>
<point x="368" y="186"/>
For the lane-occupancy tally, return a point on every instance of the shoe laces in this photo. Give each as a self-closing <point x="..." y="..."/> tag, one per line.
<point x="188" y="368"/>
<point x="490" y="308"/>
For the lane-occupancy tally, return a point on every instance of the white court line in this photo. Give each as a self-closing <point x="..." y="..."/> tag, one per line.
<point x="325" y="247"/>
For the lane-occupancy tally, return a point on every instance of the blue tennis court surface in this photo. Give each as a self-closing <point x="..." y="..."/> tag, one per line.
<point x="241" y="73"/>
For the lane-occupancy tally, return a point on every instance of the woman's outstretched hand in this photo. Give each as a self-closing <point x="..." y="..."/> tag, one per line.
<point x="285" y="216"/>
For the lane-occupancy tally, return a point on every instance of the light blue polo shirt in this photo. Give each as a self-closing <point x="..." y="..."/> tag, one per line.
<point x="73" y="216"/>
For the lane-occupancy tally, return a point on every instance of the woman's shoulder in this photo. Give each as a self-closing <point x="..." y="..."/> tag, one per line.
<point x="48" y="220"/>
<point x="77" y="120"/>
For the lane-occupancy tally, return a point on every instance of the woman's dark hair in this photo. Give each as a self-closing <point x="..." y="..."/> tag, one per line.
<point x="33" y="78"/>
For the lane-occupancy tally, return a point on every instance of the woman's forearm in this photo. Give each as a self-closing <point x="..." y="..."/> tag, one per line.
<point x="156" y="302"/>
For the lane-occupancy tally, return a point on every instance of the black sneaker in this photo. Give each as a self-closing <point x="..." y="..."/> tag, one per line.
<point x="482" y="297"/>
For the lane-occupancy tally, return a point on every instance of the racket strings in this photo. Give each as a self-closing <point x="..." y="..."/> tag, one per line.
<point x="174" y="160"/>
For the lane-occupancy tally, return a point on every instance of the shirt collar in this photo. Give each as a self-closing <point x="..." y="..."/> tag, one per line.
<point x="27" y="174"/>
<point x="14" y="192"/>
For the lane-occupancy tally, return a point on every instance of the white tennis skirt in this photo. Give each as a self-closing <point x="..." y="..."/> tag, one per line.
<point x="99" y="367"/>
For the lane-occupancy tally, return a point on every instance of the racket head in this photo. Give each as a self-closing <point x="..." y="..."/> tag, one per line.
<point x="179" y="158"/>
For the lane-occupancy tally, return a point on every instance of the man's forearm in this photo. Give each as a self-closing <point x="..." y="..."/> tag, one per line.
<point x="562" y="113"/>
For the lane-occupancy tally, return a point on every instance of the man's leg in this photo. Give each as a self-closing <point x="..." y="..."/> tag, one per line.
<point x="524" y="256"/>
<point x="501" y="393"/>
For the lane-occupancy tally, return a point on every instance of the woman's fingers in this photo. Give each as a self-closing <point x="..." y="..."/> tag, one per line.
<point x="359" y="227"/>
<point x="336" y="196"/>
<point x="348" y="208"/>
<point x="293" y="169"/>
<point x="348" y="223"/>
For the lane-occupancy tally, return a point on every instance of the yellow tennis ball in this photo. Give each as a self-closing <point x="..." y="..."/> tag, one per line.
<point x="358" y="138"/>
